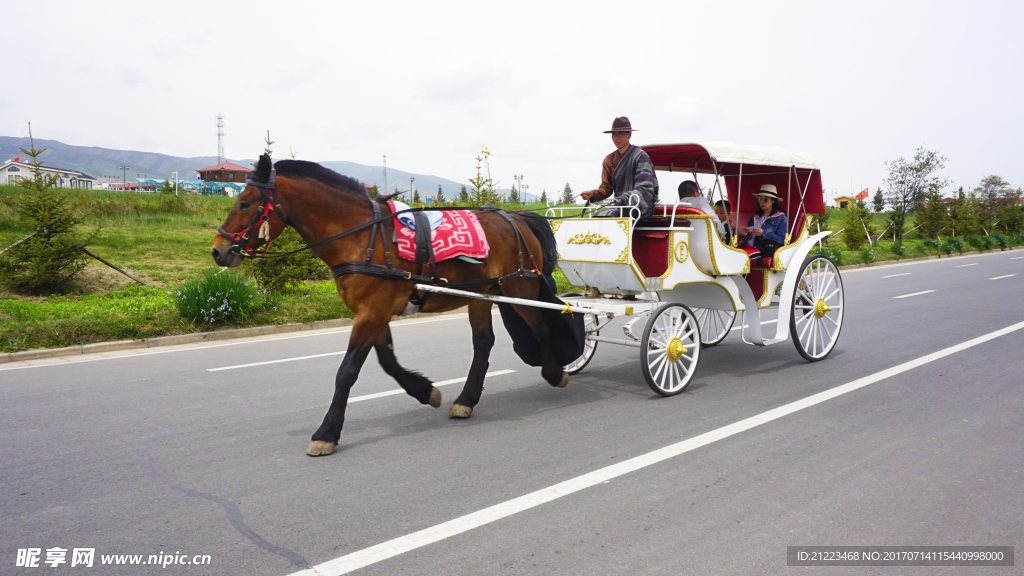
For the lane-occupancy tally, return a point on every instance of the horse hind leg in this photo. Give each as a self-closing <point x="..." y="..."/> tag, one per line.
<point x="483" y="341"/>
<point x="415" y="384"/>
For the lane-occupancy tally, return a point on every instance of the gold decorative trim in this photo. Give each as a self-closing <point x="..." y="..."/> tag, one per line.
<point x="681" y="251"/>
<point x="622" y="255"/>
<point x="589" y="238"/>
<point x="777" y="263"/>
<point x="624" y="224"/>
<point x="555" y="225"/>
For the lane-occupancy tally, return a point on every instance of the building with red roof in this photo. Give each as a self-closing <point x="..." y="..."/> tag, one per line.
<point x="224" y="172"/>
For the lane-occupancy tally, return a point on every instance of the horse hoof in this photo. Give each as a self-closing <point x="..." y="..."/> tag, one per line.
<point x="565" y="380"/>
<point x="320" y="448"/>
<point x="435" y="398"/>
<point x="460" y="411"/>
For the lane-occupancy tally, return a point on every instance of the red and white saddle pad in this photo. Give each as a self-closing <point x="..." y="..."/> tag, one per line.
<point x="459" y="234"/>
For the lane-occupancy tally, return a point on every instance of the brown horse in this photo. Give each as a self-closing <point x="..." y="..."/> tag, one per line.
<point x="319" y="204"/>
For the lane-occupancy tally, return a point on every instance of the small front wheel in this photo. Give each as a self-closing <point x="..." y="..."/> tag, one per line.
<point x="589" y="346"/>
<point x="817" y="313"/>
<point x="670" y="349"/>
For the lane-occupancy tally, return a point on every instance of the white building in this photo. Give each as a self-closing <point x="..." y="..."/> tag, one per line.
<point x="12" y="171"/>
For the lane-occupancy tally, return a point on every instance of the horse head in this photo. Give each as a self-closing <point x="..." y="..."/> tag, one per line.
<point x="251" y="222"/>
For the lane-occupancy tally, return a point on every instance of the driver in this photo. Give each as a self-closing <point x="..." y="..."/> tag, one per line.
<point x="626" y="171"/>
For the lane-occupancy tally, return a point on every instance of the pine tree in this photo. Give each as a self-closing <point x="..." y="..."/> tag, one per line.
<point x="373" y="192"/>
<point x="50" y="259"/>
<point x="544" y="197"/>
<point x="856" y="225"/>
<point x="463" y="196"/>
<point x="439" y="197"/>
<point x="878" y="201"/>
<point x="933" y="217"/>
<point x="483" y="188"/>
<point x="1009" y="213"/>
<point x="513" y="196"/>
<point x="566" y="195"/>
<point x="415" y="196"/>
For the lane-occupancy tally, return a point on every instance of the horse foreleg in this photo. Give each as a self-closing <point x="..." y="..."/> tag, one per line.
<point x="483" y="341"/>
<point x="415" y="384"/>
<point x="359" y="344"/>
<point x="550" y="369"/>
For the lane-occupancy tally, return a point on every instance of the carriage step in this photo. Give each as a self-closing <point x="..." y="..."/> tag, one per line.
<point x="628" y="328"/>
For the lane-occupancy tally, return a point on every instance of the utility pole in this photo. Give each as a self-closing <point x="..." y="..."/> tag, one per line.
<point x="411" y="178"/>
<point x="220" y="138"/>
<point x="124" y="170"/>
<point x="175" y="174"/>
<point x="386" y="191"/>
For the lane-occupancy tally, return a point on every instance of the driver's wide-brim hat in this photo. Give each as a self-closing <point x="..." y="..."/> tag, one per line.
<point x="768" y="191"/>
<point x="620" y="124"/>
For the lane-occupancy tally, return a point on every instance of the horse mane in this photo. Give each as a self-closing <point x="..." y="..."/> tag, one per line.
<point x="314" y="171"/>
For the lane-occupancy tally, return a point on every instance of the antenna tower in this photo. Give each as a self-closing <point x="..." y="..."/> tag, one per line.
<point x="220" y="138"/>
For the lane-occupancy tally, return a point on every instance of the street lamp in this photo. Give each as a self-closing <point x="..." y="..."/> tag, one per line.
<point x="411" y="178"/>
<point x="124" y="170"/>
<point x="175" y="174"/>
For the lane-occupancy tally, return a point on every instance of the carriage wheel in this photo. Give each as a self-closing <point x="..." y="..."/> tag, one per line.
<point x="714" y="325"/>
<point x="670" y="349"/>
<point x="817" y="314"/>
<point x="589" y="346"/>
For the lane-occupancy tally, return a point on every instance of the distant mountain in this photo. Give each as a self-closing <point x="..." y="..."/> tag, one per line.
<point x="98" y="162"/>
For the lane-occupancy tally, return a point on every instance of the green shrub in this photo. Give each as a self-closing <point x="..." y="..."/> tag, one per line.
<point x="980" y="243"/>
<point x="999" y="240"/>
<point x="1017" y="239"/>
<point x="952" y="244"/>
<point x="275" y="274"/>
<point x="930" y="244"/>
<point x="832" y="252"/>
<point x="898" y="249"/>
<point x="867" y="253"/>
<point x="220" y="297"/>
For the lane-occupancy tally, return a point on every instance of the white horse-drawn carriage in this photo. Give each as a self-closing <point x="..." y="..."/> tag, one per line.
<point x="683" y="287"/>
<point x="680" y="285"/>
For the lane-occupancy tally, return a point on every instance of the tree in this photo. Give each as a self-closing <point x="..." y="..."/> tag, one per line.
<point x="964" y="212"/>
<point x="908" y="182"/>
<point x="483" y="188"/>
<point x="989" y="193"/>
<point x="49" y="259"/>
<point x="415" y="196"/>
<point x="439" y="197"/>
<point x="373" y="192"/>
<point x="878" y="201"/>
<point x="544" y="197"/>
<point x="513" y="196"/>
<point x="566" y="195"/>
<point x="856" y="225"/>
<point x="933" y="216"/>
<point x="1010" y="213"/>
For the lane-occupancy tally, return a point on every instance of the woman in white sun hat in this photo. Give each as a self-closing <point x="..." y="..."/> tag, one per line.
<point x="766" y="230"/>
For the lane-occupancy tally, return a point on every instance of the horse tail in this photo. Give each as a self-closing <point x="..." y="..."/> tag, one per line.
<point x="541" y="228"/>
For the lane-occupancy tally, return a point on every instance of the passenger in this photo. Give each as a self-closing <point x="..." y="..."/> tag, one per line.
<point x="722" y="209"/>
<point x="689" y="195"/>
<point x="625" y="172"/>
<point x="765" y="232"/>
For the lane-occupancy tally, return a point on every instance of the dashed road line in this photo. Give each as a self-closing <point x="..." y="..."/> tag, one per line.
<point x="966" y="265"/>
<point x="915" y="294"/>
<point x="895" y="275"/>
<point x="1001" y="277"/>
<point x="264" y="363"/>
<point x="443" y="383"/>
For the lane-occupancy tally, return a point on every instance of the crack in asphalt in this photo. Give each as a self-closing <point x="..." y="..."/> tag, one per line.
<point x="230" y="508"/>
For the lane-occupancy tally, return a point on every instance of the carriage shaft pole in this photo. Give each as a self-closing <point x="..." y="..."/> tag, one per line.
<point x="505" y="299"/>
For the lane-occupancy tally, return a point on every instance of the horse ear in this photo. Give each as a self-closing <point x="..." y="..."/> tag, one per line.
<point x="263" y="168"/>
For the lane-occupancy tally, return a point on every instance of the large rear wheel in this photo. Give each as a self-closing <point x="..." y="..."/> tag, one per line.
<point x="670" y="349"/>
<point x="714" y="325"/>
<point x="817" y="314"/>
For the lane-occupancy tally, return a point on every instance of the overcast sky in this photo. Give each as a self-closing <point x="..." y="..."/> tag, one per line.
<point x="427" y="83"/>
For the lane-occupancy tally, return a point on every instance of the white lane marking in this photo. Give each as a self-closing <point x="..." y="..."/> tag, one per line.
<point x="274" y="361"/>
<point x="402" y="544"/>
<point x="1001" y="277"/>
<point x="131" y="353"/>
<point x="444" y="383"/>
<point x="915" y="294"/>
<point x="748" y="325"/>
<point x="1017" y="258"/>
<point x="895" y="275"/>
<point x="966" y="265"/>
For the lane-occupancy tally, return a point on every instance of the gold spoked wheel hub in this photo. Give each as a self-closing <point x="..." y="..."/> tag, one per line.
<point x="821" y="308"/>
<point x="676" y="349"/>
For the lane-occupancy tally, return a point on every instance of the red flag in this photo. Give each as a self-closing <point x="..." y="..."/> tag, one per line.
<point x="863" y="194"/>
<point x="17" y="158"/>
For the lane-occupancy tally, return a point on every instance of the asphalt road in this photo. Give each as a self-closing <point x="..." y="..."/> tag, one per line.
<point x="152" y="452"/>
